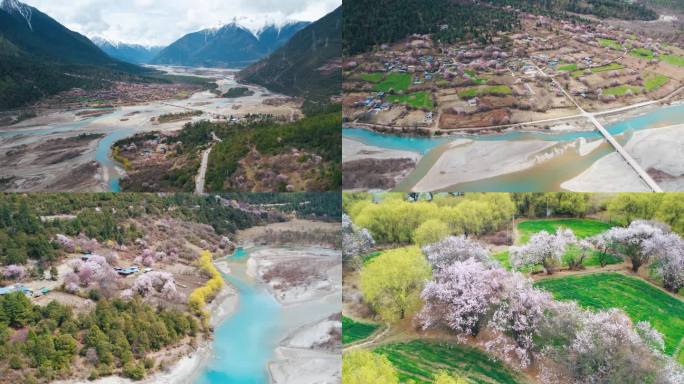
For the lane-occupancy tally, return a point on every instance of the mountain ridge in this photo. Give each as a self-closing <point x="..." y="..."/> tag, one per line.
<point x="231" y="45"/>
<point x="304" y="66"/>
<point x="128" y="52"/>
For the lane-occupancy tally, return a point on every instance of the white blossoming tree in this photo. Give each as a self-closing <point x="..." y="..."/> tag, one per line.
<point x="629" y="242"/>
<point x="668" y="250"/>
<point x="455" y="248"/>
<point x="607" y="348"/>
<point x="355" y="241"/>
<point x="543" y="248"/>
<point x="461" y="296"/>
<point x="94" y="273"/>
<point x="13" y="271"/>
<point x="156" y="283"/>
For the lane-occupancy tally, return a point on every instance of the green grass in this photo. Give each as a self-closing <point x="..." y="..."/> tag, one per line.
<point x="621" y="90"/>
<point x="640" y="300"/>
<point x="642" y="53"/>
<point x="469" y="93"/>
<point x="603" y="68"/>
<point x="608" y="43"/>
<point x="567" y="67"/>
<point x="420" y="360"/>
<point x="654" y="81"/>
<point x="504" y="258"/>
<point x="397" y="81"/>
<point x="673" y="59"/>
<point x="582" y="228"/>
<point x="353" y="331"/>
<point x="473" y="76"/>
<point x="416" y="100"/>
<point x="592" y="260"/>
<point x="374" y="77"/>
<point x="607" y="67"/>
<point x="366" y="259"/>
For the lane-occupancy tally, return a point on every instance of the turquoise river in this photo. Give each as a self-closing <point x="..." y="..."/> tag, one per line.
<point x="547" y="176"/>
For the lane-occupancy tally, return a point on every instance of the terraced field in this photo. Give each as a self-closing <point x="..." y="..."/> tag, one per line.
<point x="420" y="360"/>
<point x="353" y="331"/>
<point x="640" y="300"/>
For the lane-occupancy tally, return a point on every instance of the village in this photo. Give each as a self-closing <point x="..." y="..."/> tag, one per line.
<point x="421" y="86"/>
<point x="119" y="94"/>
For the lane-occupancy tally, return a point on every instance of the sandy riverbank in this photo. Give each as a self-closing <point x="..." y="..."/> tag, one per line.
<point x="311" y="351"/>
<point x="659" y="152"/>
<point x="469" y="160"/>
<point x="609" y="174"/>
<point x="356" y="150"/>
<point x="367" y="167"/>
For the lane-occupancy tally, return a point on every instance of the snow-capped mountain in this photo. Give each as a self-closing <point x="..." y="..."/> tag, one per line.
<point x="232" y="45"/>
<point x="131" y="53"/>
<point x="14" y="6"/>
<point x="40" y="36"/>
<point x="295" y="68"/>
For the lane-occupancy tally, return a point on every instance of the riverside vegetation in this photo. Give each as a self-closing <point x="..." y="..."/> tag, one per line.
<point x="76" y="318"/>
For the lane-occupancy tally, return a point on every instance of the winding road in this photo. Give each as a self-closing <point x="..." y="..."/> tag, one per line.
<point x="202" y="172"/>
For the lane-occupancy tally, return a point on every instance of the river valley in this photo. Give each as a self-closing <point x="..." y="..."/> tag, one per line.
<point x="31" y="160"/>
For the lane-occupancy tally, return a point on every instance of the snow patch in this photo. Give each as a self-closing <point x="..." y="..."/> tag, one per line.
<point x="255" y="26"/>
<point x="20" y="8"/>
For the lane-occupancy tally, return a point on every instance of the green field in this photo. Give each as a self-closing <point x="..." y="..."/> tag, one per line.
<point x="374" y="77"/>
<point x="642" y="53"/>
<point x="592" y="260"/>
<point x="469" y="93"/>
<point x="420" y="360"/>
<point x="654" y="81"/>
<point x="416" y="100"/>
<point x="640" y="300"/>
<point x="353" y="331"/>
<point x="608" y="43"/>
<point x="396" y="81"/>
<point x="567" y="67"/>
<point x="473" y="76"/>
<point x="581" y="227"/>
<point x="603" y="68"/>
<point x="607" y="67"/>
<point x="621" y="90"/>
<point x="673" y="59"/>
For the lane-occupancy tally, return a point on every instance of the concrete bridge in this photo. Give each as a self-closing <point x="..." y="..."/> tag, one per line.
<point x="609" y="138"/>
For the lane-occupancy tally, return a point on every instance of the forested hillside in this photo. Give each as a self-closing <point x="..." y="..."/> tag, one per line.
<point x="24" y="236"/>
<point x="40" y="57"/>
<point x="370" y="23"/>
<point x="319" y="134"/>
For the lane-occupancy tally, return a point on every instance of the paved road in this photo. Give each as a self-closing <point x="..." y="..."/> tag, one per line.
<point x="201" y="174"/>
<point x="199" y="180"/>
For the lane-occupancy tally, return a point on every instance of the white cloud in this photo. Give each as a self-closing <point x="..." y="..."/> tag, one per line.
<point x="161" y="22"/>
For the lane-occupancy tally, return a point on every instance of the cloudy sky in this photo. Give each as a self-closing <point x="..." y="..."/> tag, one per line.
<point x="160" y="22"/>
